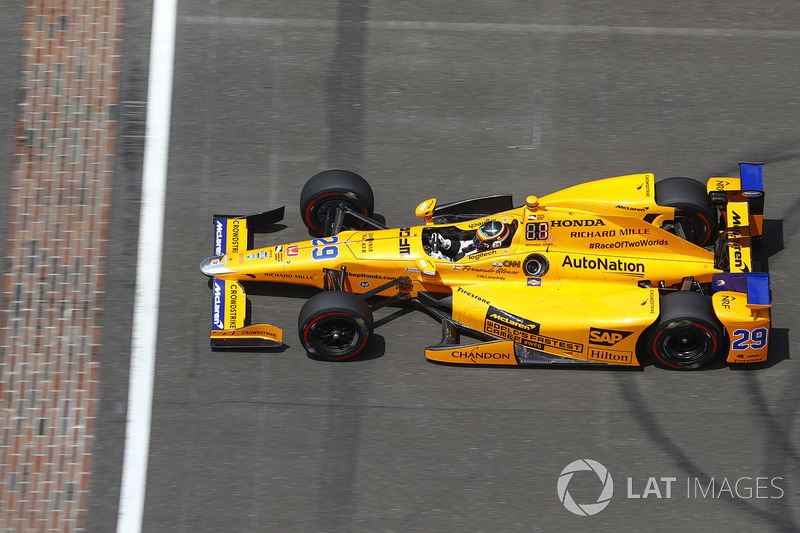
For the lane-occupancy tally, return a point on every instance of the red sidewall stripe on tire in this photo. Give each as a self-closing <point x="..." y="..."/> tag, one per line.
<point x="308" y="327"/>
<point x="655" y="344"/>
<point x="708" y="228"/>
<point x="311" y="205"/>
<point x="308" y="209"/>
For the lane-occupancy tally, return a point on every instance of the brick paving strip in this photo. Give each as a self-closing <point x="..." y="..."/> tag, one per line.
<point x="52" y="283"/>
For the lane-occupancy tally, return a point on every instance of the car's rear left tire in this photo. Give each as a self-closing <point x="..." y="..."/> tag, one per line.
<point x="692" y="211"/>
<point x="325" y="192"/>
<point x="688" y="334"/>
<point x="335" y="325"/>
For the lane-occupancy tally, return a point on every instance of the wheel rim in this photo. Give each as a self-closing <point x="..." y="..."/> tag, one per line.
<point x="684" y="344"/>
<point x="696" y="229"/>
<point x="335" y="335"/>
<point x="326" y="212"/>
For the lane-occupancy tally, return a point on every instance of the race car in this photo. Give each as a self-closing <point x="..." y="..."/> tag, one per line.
<point x="616" y="271"/>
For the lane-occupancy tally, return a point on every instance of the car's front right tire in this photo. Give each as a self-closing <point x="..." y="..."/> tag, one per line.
<point x="324" y="193"/>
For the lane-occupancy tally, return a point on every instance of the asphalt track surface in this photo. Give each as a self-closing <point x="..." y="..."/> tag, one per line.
<point x="449" y="100"/>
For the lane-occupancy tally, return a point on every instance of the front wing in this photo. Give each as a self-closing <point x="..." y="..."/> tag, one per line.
<point x="230" y="325"/>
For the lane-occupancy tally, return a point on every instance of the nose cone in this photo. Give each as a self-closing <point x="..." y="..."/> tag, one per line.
<point x="214" y="266"/>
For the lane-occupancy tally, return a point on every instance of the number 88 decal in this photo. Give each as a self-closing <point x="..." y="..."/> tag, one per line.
<point x="744" y="339"/>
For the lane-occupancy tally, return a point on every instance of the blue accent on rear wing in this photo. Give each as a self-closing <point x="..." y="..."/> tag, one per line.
<point x="754" y="284"/>
<point x="728" y="281"/>
<point x="751" y="176"/>
<point x="758" y="289"/>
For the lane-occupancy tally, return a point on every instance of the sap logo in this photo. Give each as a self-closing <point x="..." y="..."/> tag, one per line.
<point x="606" y="337"/>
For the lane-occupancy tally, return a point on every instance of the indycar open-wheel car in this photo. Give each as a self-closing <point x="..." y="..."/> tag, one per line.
<point x="604" y="273"/>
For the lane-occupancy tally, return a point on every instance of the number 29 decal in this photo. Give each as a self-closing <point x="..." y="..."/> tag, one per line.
<point x="325" y="248"/>
<point x="744" y="339"/>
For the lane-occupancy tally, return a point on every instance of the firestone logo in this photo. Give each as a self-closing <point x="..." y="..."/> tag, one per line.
<point x="585" y="509"/>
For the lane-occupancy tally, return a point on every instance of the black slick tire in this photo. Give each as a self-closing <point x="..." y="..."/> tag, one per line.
<point x="688" y="334"/>
<point x="335" y="325"/>
<point x="325" y="192"/>
<point x="690" y="200"/>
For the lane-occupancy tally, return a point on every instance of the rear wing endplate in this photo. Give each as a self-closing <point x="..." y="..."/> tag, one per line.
<point x="754" y="284"/>
<point x="742" y="202"/>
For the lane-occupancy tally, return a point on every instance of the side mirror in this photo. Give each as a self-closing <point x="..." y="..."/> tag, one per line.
<point x="425" y="210"/>
<point x="426" y="267"/>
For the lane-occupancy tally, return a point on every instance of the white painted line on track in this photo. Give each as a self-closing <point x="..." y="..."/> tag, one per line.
<point x="148" y="268"/>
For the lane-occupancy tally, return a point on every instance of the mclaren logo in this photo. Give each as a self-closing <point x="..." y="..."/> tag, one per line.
<point x="219" y="230"/>
<point x="514" y="322"/>
<point x="218" y="323"/>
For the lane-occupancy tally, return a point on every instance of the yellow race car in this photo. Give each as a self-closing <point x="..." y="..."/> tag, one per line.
<point x="603" y="273"/>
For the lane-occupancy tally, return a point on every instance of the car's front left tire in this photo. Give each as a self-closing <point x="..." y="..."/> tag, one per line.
<point x="335" y="325"/>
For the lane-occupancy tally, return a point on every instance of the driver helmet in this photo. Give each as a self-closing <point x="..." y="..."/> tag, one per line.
<point x="490" y="234"/>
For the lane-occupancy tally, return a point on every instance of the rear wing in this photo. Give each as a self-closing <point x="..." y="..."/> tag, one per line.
<point x="230" y="322"/>
<point x="741" y="203"/>
<point x="742" y="298"/>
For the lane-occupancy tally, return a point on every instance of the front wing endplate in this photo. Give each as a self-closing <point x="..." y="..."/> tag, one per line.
<point x="255" y="336"/>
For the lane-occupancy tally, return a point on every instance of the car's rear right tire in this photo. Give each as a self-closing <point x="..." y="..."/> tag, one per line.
<point x="688" y="334"/>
